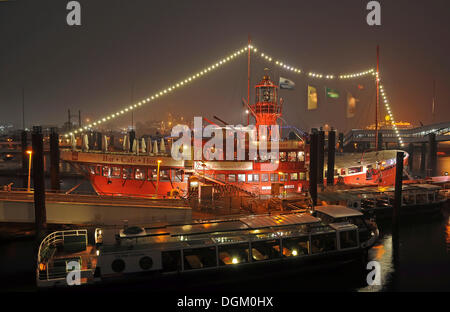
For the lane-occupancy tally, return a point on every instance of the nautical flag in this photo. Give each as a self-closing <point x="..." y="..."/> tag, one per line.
<point x="351" y="105"/>
<point x="286" y="83"/>
<point x="312" y="97"/>
<point x="331" y="93"/>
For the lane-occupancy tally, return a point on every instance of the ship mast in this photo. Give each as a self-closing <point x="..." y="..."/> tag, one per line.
<point x="378" y="98"/>
<point x="248" y="77"/>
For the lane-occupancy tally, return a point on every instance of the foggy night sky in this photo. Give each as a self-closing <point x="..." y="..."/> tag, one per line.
<point x="131" y="49"/>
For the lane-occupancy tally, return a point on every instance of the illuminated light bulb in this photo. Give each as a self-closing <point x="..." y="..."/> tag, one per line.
<point x="234" y="261"/>
<point x="95" y="123"/>
<point x="270" y="59"/>
<point x="294" y="252"/>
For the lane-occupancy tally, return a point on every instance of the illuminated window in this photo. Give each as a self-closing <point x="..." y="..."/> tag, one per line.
<point x="294" y="176"/>
<point x="264" y="177"/>
<point x="177" y="175"/>
<point x="106" y="171"/>
<point x="241" y="177"/>
<point x="256" y="177"/>
<point x="220" y="177"/>
<point x="292" y="156"/>
<point x="282" y="156"/>
<point x="283" y="177"/>
<point x="231" y="178"/>
<point x="164" y="175"/>
<point x="115" y="172"/>
<point x="301" y="156"/>
<point x="152" y="174"/>
<point x="249" y="177"/>
<point x="127" y="173"/>
<point x="274" y="177"/>
<point x="139" y="174"/>
<point x="302" y="176"/>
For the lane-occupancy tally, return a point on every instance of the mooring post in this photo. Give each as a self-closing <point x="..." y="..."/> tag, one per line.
<point x="331" y="156"/>
<point x="54" y="159"/>
<point x="39" y="182"/>
<point x="313" y="149"/>
<point x="398" y="188"/>
<point x="432" y="163"/>
<point x="321" y="155"/>
<point x="25" y="160"/>
<point x="396" y="211"/>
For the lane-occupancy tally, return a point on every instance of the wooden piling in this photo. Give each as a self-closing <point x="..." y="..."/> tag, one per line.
<point x="39" y="182"/>
<point x="331" y="157"/>
<point x="54" y="159"/>
<point x="313" y="157"/>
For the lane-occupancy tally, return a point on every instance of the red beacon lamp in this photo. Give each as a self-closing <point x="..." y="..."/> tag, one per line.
<point x="266" y="109"/>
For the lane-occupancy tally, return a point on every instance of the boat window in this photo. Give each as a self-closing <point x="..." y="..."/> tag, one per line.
<point x="323" y="242"/>
<point x="256" y="177"/>
<point x="115" y="172"/>
<point x="164" y="175"/>
<point x="265" y="250"/>
<point x="199" y="258"/>
<point x="301" y="156"/>
<point x="274" y="177"/>
<point x="241" y="177"/>
<point x="249" y="178"/>
<point x="264" y="177"/>
<point x="296" y="246"/>
<point x="302" y="176"/>
<point x="177" y="175"/>
<point x="152" y="174"/>
<point x="233" y="254"/>
<point x="220" y="177"/>
<point x="292" y="156"/>
<point x="231" y="178"/>
<point x="127" y="173"/>
<point x="106" y="171"/>
<point x="348" y="239"/>
<point x="282" y="156"/>
<point x="139" y="174"/>
<point x="354" y="170"/>
<point x="343" y="172"/>
<point x="283" y="177"/>
<point x="171" y="261"/>
<point x="294" y="176"/>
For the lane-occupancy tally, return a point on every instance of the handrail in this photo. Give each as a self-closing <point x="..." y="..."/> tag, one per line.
<point x="56" y="237"/>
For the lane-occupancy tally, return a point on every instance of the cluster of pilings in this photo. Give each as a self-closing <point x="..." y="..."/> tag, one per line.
<point x="316" y="160"/>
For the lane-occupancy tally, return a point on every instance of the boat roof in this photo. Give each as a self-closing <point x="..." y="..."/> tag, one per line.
<point x="247" y="223"/>
<point x="337" y="211"/>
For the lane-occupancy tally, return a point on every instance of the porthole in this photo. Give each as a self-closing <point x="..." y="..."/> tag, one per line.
<point x="118" y="265"/>
<point x="146" y="263"/>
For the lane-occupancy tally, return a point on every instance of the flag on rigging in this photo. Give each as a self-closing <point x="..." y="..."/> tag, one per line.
<point x="351" y="105"/>
<point x="331" y="93"/>
<point x="286" y="84"/>
<point x="312" y="97"/>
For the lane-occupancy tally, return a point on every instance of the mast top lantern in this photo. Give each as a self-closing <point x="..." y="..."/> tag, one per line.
<point x="266" y="109"/>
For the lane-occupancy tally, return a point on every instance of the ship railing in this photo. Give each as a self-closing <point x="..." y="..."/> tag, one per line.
<point x="52" y="241"/>
<point x="75" y="240"/>
<point x="167" y="153"/>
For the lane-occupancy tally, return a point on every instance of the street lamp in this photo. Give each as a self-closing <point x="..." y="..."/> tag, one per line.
<point x="29" y="152"/>
<point x="157" y="177"/>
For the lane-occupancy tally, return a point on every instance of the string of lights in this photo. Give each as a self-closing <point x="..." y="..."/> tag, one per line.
<point x="226" y="60"/>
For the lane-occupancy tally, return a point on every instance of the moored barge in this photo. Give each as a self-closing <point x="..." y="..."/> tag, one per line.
<point x="338" y="235"/>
